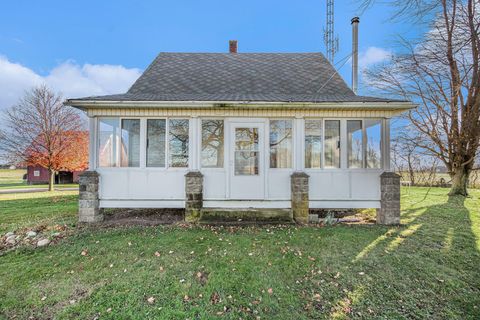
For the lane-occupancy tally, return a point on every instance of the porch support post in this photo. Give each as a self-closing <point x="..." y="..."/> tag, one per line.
<point x="194" y="195"/>
<point x="88" y="202"/>
<point x="389" y="212"/>
<point x="300" y="205"/>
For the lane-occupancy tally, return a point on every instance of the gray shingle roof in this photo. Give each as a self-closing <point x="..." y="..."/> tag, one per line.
<point x="273" y="77"/>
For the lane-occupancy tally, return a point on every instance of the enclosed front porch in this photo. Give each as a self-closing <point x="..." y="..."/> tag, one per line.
<point x="240" y="162"/>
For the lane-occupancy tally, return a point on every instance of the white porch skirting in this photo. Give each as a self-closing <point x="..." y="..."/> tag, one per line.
<point x="267" y="204"/>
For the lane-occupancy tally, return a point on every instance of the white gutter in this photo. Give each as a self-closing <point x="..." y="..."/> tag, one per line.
<point x="92" y="104"/>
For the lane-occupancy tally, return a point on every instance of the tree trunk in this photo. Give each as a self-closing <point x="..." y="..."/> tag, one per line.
<point x="51" y="181"/>
<point x="411" y="171"/>
<point x="459" y="181"/>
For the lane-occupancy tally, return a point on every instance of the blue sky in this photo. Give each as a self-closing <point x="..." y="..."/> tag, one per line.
<point x="100" y="47"/>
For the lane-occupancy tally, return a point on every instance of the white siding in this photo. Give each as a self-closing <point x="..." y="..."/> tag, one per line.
<point x="165" y="187"/>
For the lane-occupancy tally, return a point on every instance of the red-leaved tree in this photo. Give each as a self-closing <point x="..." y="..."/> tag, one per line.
<point x="40" y="130"/>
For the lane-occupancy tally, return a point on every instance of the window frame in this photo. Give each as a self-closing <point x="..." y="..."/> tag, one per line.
<point x="200" y="140"/>
<point x="322" y="155"/>
<point x="344" y="135"/>
<point x="364" y="144"/>
<point x="166" y="143"/>
<point x="340" y="135"/>
<point x="143" y="143"/>
<point x="117" y="151"/>
<point x="364" y="149"/>
<point x="267" y="145"/>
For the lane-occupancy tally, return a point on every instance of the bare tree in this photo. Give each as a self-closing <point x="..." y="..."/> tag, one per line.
<point x="442" y="73"/>
<point x="38" y="131"/>
<point x="405" y="152"/>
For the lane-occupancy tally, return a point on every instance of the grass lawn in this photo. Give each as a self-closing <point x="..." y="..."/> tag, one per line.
<point x="428" y="268"/>
<point x="21" y="210"/>
<point x="13" y="179"/>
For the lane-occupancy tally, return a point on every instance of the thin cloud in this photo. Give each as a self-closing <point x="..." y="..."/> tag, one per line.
<point x="372" y="56"/>
<point x="69" y="78"/>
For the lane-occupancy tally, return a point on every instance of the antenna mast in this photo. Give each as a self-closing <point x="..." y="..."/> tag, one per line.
<point x="331" y="41"/>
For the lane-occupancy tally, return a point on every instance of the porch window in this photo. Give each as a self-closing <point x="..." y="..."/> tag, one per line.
<point x="313" y="144"/>
<point x="364" y="143"/>
<point x="178" y="143"/>
<point x="130" y="148"/>
<point x="212" y="143"/>
<point x="373" y="131"/>
<point x="280" y="143"/>
<point x="355" y="143"/>
<point x="332" y="144"/>
<point x="108" y="141"/>
<point x="246" y="152"/>
<point x="156" y="142"/>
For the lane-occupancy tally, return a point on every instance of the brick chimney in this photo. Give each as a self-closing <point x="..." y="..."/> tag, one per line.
<point x="233" y="45"/>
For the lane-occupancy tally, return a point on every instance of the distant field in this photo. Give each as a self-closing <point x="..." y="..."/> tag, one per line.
<point x="13" y="179"/>
<point x="427" y="179"/>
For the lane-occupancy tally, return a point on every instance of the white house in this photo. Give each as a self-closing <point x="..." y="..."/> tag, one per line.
<point x="242" y="124"/>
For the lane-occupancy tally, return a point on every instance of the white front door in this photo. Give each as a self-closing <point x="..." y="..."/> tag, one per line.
<point x="247" y="158"/>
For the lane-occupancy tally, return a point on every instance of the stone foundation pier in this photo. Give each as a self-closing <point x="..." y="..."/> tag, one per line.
<point x="88" y="202"/>
<point x="193" y="195"/>
<point x="389" y="212"/>
<point x="299" y="188"/>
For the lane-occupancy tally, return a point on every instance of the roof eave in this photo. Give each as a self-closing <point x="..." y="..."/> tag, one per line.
<point x="371" y="105"/>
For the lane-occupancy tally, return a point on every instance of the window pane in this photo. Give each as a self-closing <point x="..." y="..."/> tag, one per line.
<point x="178" y="143"/>
<point x="313" y="144"/>
<point x="108" y="140"/>
<point x="332" y="143"/>
<point x="374" y="143"/>
<point x="355" y="143"/>
<point x="246" y="163"/>
<point x="156" y="143"/>
<point x="280" y="143"/>
<point x="246" y="151"/>
<point x="246" y="139"/>
<point x="130" y="150"/>
<point x="212" y="143"/>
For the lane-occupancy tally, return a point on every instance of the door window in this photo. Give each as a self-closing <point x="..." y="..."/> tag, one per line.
<point x="246" y="152"/>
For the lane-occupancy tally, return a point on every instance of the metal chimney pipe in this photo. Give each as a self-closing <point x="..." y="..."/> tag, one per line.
<point x="355" y="22"/>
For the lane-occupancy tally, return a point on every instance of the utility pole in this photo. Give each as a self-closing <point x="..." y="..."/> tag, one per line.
<point x="331" y="41"/>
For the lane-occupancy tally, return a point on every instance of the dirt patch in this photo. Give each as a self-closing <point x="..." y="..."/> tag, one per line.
<point x="143" y="217"/>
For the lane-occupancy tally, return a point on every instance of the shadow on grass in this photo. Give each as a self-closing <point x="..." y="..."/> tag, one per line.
<point x="427" y="268"/>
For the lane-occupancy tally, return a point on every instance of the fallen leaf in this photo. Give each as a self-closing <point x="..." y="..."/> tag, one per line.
<point x="151" y="300"/>
<point x="215" y="298"/>
<point x="44" y="298"/>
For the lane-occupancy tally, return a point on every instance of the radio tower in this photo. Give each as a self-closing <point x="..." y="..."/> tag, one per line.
<point x="331" y="41"/>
